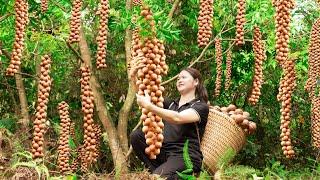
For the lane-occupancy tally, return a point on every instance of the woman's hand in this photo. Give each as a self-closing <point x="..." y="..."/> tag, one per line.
<point x="144" y="101"/>
<point x="135" y="65"/>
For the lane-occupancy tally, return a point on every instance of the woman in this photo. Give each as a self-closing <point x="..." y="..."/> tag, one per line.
<point x="184" y="118"/>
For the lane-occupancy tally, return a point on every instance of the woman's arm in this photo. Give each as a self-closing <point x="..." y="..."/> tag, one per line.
<point x="186" y="116"/>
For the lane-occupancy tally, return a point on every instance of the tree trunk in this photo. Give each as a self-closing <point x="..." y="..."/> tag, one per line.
<point x="127" y="106"/>
<point x="22" y="95"/>
<point x="23" y="101"/>
<point x="104" y="116"/>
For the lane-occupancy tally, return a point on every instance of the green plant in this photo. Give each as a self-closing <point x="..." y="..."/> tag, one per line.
<point x="186" y="174"/>
<point x="226" y="158"/>
<point x="25" y="159"/>
<point x="240" y="172"/>
<point x="9" y="124"/>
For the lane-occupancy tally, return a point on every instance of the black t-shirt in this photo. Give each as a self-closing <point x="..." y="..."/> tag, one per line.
<point x="175" y="135"/>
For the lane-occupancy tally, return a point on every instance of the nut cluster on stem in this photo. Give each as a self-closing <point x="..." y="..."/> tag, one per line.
<point x="241" y="21"/>
<point x="22" y="20"/>
<point x="218" y="54"/>
<point x="149" y="78"/>
<point x="44" y="5"/>
<point x="260" y="56"/>
<point x="228" y="70"/>
<point x="205" y="22"/>
<point x="87" y="101"/>
<point x="64" y="149"/>
<point x="75" y="21"/>
<point x="313" y="79"/>
<point x="102" y="34"/>
<point x="39" y="124"/>
<point x="287" y="85"/>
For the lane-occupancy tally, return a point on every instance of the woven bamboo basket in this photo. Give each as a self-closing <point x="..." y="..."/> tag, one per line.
<point x="221" y="133"/>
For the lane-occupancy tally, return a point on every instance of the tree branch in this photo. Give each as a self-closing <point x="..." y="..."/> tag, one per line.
<point x="8" y="55"/>
<point x="74" y="51"/>
<point x="60" y="6"/>
<point x="130" y="96"/>
<point x="230" y="47"/>
<point x="21" y="92"/>
<point x="174" y="8"/>
<point x="247" y="40"/>
<point x="194" y="62"/>
<point x="202" y="53"/>
<point x="130" y="149"/>
<point x="24" y="74"/>
<point x="5" y="16"/>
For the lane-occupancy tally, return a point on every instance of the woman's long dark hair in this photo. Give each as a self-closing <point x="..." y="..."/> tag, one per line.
<point x="201" y="91"/>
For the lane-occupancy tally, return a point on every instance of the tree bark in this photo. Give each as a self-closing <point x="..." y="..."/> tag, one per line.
<point x="127" y="106"/>
<point x="118" y="155"/>
<point x="174" y="8"/>
<point x="23" y="101"/>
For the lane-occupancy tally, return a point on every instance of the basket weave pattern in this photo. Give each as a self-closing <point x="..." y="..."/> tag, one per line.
<point x="220" y="134"/>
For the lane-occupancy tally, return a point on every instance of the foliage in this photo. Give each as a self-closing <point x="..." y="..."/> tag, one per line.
<point x="47" y="33"/>
<point x="9" y="124"/>
<point x="226" y="158"/>
<point x="26" y="156"/>
<point x="185" y="174"/>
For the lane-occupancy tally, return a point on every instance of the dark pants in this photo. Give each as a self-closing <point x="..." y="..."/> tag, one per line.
<point x="165" y="165"/>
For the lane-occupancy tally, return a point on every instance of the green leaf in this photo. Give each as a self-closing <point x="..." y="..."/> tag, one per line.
<point x="72" y="145"/>
<point x="186" y="157"/>
<point x="30" y="164"/>
<point x="185" y="176"/>
<point x="187" y="171"/>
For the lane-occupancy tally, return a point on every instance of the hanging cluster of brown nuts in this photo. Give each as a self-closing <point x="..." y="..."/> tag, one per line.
<point x="75" y="164"/>
<point x="135" y="45"/>
<point x="75" y="21"/>
<point x="98" y="132"/>
<point x="22" y="19"/>
<point x="63" y="149"/>
<point x="283" y="9"/>
<point x="83" y="151"/>
<point x="315" y="121"/>
<point x="149" y="79"/>
<point x="205" y="22"/>
<point x="152" y="48"/>
<point x="87" y="101"/>
<point x="314" y="54"/>
<point x="313" y="79"/>
<point x="228" y="70"/>
<point x="219" y="66"/>
<point x="287" y="85"/>
<point x="148" y="16"/>
<point x="39" y="126"/>
<point x="152" y="128"/>
<point x="137" y="2"/>
<point x="260" y="56"/>
<point x="242" y="118"/>
<point x="44" y="5"/>
<point x="241" y="21"/>
<point x="76" y="161"/>
<point x="102" y="35"/>
<point x="287" y="82"/>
